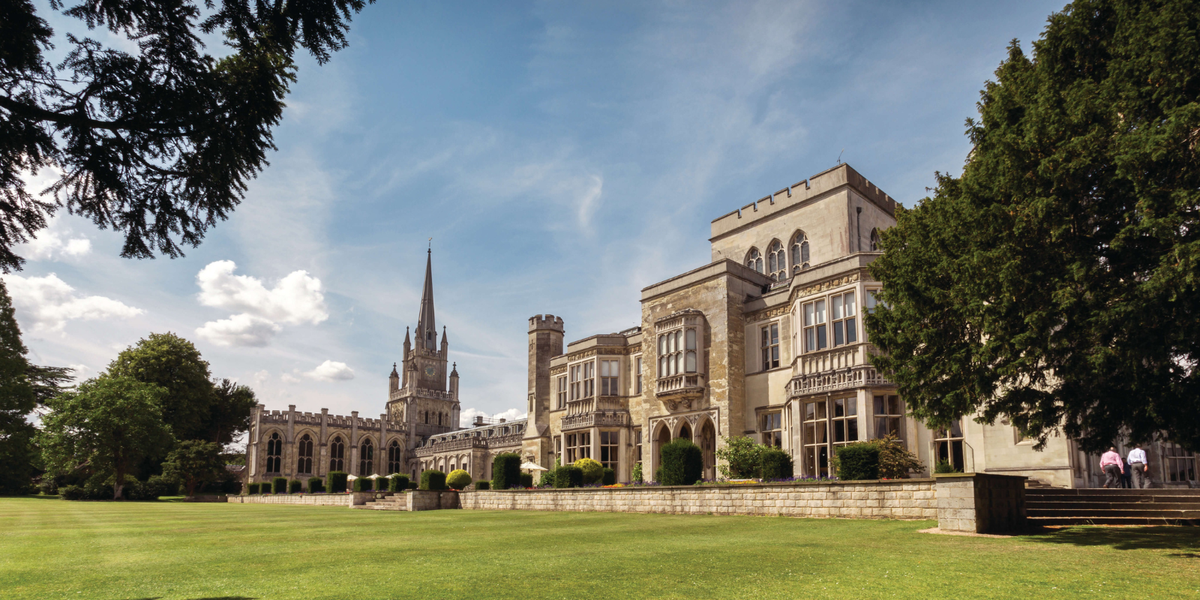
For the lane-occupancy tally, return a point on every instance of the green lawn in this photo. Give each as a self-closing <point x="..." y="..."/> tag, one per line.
<point x="50" y="548"/>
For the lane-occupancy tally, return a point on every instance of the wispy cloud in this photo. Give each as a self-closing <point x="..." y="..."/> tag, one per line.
<point x="49" y="302"/>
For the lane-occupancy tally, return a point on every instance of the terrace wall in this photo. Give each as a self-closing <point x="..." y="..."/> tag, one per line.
<point x="307" y="499"/>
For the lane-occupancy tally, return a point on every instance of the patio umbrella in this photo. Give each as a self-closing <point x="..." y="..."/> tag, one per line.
<point x="528" y="466"/>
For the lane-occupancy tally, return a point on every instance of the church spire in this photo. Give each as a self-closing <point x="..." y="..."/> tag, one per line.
<point x="426" y="325"/>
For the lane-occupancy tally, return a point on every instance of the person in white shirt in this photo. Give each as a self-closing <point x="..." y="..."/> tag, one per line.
<point x="1139" y="468"/>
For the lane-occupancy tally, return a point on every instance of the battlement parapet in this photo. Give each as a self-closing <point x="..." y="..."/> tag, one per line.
<point x="540" y="322"/>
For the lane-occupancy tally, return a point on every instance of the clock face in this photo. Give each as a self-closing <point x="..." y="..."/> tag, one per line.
<point x="430" y="371"/>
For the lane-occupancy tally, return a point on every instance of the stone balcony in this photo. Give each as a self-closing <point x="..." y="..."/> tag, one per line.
<point x="680" y="389"/>
<point x="595" y="403"/>
<point x="848" y="378"/>
<point x="596" y="419"/>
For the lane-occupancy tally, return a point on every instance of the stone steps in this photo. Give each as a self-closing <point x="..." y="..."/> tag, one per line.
<point x="1055" y="507"/>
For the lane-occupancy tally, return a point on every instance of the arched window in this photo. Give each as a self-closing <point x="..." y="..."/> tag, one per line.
<point x="685" y="433"/>
<point x="439" y="418"/>
<point x="754" y="260"/>
<point x="394" y="453"/>
<point x="337" y="454"/>
<point x="305" y="451"/>
<point x="874" y="240"/>
<point x="426" y="413"/>
<point x="366" y="458"/>
<point x="799" y="248"/>
<point x="776" y="261"/>
<point x="274" y="453"/>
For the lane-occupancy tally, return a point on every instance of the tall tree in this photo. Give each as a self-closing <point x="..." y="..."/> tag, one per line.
<point x="158" y="143"/>
<point x="23" y="386"/>
<point x="174" y="364"/>
<point x="230" y="412"/>
<point x="1054" y="284"/>
<point x="194" y="463"/>
<point x="109" y="423"/>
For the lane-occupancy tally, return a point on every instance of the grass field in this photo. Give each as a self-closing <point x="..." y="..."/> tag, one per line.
<point x="55" y="549"/>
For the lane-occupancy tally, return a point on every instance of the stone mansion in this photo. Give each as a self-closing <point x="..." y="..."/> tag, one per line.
<point x="766" y="340"/>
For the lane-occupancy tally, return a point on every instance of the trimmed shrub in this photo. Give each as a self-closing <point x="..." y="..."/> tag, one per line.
<point x="458" y="479"/>
<point x="776" y="464"/>
<point x="279" y="485"/>
<point x="682" y="463"/>
<point x="483" y="485"/>
<point x="609" y="477"/>
<point x="412" y="485"/>
<point x="547" y="479"/>
<point x="568" y="476"/>
<point x="506" y="471"/>
<point x="362" y="484"/>
<point x="858" y="461"/>
<point x="71" y="492"/>
<point x="526" y="480"/>
<point x="295" y="486"/>
<point x="252" y="489"/>
<point x="337" y="481"/>
<point x="398" y="483"/>
<point x="592" y="470"/>
<point x="315" y="485"/>
<point x="433" y="480"/>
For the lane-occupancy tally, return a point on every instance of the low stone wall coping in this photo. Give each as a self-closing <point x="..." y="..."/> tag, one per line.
<point x="781" y="484"/>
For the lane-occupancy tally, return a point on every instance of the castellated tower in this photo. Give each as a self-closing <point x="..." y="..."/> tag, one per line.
<point x="545" y="343"/>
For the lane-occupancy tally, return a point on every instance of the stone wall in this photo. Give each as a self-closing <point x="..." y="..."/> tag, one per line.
<point x="908" y="499"/>
<point x="307" y="499"/>
<point x="980" y="502"/>
<point x="428" y="500"/>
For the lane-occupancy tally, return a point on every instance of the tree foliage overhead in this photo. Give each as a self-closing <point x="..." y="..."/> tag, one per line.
<point x="159" y="143"/>
<point x="1054" y="284"/>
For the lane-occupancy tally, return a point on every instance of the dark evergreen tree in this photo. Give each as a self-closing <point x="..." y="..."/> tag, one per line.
<point x="1054" y="284"/>
<point x="158" y="143"/>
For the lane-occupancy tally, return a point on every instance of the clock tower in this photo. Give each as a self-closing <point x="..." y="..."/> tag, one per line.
<point x="427" y="396"/>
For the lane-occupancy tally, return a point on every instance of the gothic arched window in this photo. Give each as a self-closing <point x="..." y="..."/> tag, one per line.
<point x="776" y="261"/>
<point x="394" y="454"/>
<point x="874" y="240"/>
<point x="799" y="248"/>
<point x="366" y="458"/>
<point x="337" y="454"/>
<point x="274" y="453"/>
<point x="305" y="451"/>
<point x="754" y="260"/>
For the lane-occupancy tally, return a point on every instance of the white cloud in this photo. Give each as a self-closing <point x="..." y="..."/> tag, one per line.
<point x="239" y="330"/>
<point x="330" y="371"/>
<point x="49" y="303"/>
<point x="467" y="416"/>
<point x="50" y="245"/>
<point x="297" y="298"/>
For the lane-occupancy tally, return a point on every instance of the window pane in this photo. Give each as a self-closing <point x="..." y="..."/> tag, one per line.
<point x="822" y="338"/>
<point x="804" y="251"/>
<point x="880" y="408"/>
<point x="851" y="331"/>
<point x="810" y="340"/>
<point x="839" y="408"/>
<point x="821" y="410"/>
<point x="852" y="430"/>
<point x="836" y="307"/>
<point x="851" y="407"/>
<point x="691" y="361"/>
<point x="820" y="310"/>
<point x="810" y="411"/>
<point x="774" y="333"/>
<point x="691" y="339"/>
<point x="956" y="429"/>
<point x="838" y="339"/>
<point x="808" y="315"/>
<point x="850" y="306"/>
<point x="839" y="434"/>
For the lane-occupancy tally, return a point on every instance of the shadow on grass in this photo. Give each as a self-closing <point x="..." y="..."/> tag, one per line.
<point x="1184" y="539"/>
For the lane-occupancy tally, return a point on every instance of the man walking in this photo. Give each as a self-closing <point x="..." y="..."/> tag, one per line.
<point x="1139" y="467"/>
<point x="1110" y="463"/>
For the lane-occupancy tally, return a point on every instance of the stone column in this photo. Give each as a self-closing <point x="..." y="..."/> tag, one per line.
<point x="352" y="466"/>
<point x="322" y="469"/>
<point x="383" y="449"/>
<point x="289" y="449"/>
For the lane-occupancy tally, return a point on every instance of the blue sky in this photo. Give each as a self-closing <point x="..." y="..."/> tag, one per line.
<point x="562" y="156"/>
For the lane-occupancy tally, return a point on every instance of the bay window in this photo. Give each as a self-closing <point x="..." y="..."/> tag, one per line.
<point x="816" y="336"/>
<point x="609" y="371"/>
<point x="770" y="346"/>
<point x="845" y="330"/>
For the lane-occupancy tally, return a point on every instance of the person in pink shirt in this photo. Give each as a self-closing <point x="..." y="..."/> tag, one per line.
<point x="1110" y="463"/>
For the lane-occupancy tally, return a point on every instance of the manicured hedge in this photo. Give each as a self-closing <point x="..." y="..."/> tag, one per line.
<point x="526" y="480"/>
<point x="682" y="463"/>
<point x="592" y="470"/>
<point x="315" y="485"/>
<point x="412" y="485"/>
<point x="458" y="479"/>
<point x="506" y="471"/>
<point x="337" y="481"/>
<point x="610" y="477"/>
<point x="433" y="480"/>
<point x="776" y="464"/>
<point x="398" y="483"/>
<point x="483" y="485"/>
<point x="252" y="489"/>
<point x="362" y="484"/>
<point x="568" y="476"/>
<point x="295" y="487"/>
<point x="858" y="461"/>
<point x="279" y="485"/>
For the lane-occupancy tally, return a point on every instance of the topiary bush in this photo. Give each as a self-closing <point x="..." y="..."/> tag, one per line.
<point x="776" y="464"/>
<point x="526" y="480"/>
<point x="592" y="470"/>
<point x="858" y="461"/>
<point x="362" y="484"/>
<point x="458" y="479"/>
<point x="315" y="485"/>
<point x="682" y="463"/>
<point x="483" y="485"/>
<point x="433" y="480"/>
<point x="568" y="476"/>
<point x="295" y="486"/>
<point x="609" y="477"/>
<point x="279" y="485"/>
<point x="506" y="471"/>
<point x="252" y="489"/>
<point x="337" y="481"/>
<point x="398" y="483"/>
<point x="412" y="485"/>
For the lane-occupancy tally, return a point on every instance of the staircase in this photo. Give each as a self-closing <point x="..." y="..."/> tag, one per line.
<point x="1057" y="506"/>
<point x="389" y="502"/>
